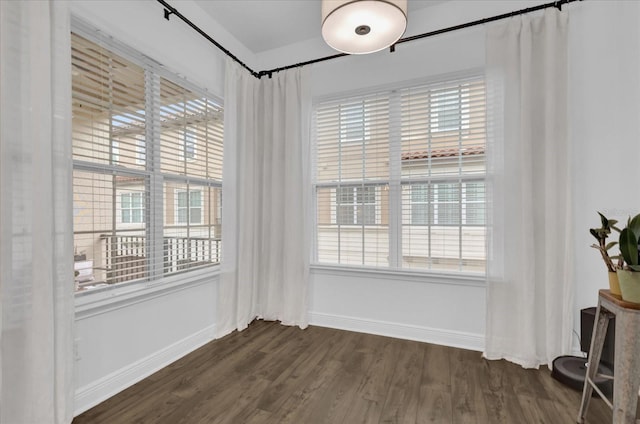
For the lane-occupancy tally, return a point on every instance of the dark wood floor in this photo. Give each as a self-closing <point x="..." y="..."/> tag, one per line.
<point x="275" y="374"/>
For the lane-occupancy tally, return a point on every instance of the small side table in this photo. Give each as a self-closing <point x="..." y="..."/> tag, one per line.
<point x="626" y="360"/>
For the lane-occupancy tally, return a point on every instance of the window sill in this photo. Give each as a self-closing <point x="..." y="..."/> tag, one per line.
<point x="98" y="300"/>
<point x="430" y="277"/>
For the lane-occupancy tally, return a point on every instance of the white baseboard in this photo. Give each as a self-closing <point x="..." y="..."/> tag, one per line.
<point x="451" y="338"/>
<point x="92" y="394"/>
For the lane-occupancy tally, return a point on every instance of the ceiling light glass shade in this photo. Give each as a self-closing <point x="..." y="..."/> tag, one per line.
<point x="363" y="26"/>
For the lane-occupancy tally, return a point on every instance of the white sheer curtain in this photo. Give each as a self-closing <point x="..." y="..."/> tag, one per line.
<point x="529" y="293"/>
<point x="36" y="239"/>
<point x="267" y="201"/>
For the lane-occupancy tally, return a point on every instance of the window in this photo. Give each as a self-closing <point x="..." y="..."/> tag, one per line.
<point x="352" y="122"/>
<point x="141" y="151"/>
<point x="132" y="208"/>
<point x="447" y="205"/>
<point x="356" y="205"/>
<point x="446" y="113"/>
<point x="407" y="190"/>
<point x="189" y="207"/>
<point x="188" y="148"/>
<point x="115" y="152"/>
<point x="140" y="211"/>
<point x="419" y="204"/>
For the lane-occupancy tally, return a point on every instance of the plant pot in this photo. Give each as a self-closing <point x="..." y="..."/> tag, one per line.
<point x="629" y="285"/>
<point x="614" y="284"/>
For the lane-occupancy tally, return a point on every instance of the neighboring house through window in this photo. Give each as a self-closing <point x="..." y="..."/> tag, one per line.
<point x="356" y="205"/>
<point x="132" y="208"/>
<point x="189" y="207"/>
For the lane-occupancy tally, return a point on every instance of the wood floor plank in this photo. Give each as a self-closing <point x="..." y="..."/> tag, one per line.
<point x="272" y="374"/>
<point x="401" y="403"/>
<point x="468" y="404"/>
<point x="434" y="406"/>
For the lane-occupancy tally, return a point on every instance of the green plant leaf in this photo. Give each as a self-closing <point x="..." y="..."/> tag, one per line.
<point x="629" y="247"/>
<point x="594" y="233"/>
<point x="634" y="226"/>
<point x="604" y="220"/>
<point x="610" y="245"/>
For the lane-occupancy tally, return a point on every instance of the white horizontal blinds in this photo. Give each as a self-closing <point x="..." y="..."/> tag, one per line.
<point x="109" y="224"/>
<point x="443" y="166"/>
<point x="443" y="129"/>
<point x="109" y="152"/>
<point x="352" y="140"/>
<point x="192" y="226"/>
<point x="422" y="148"/>
<point x="352" y="163"/>
<point x="191" y="135"/>
<point x="108" y="107"/>
<point x="147" y="168"/>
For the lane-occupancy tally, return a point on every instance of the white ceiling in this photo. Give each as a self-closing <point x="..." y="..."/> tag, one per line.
<point x="263" y="25"/>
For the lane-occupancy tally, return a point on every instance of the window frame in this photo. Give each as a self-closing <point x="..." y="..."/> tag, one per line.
<point x="466" y="84"/>
<point x="140" y="151"/>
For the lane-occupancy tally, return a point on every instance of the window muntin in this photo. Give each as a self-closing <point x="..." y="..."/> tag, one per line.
<point x="425" y="157"/>
<point x="119" y="107"/>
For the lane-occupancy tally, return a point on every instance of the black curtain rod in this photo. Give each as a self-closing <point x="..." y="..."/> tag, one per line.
<point x="169" y="10"/>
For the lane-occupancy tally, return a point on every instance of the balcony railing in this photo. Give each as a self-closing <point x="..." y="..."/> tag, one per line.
<point x="123" y="257"/>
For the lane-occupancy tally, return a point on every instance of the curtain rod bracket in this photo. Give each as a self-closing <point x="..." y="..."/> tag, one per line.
<point x="392" y="48"/>
<point x="167" y="13"/>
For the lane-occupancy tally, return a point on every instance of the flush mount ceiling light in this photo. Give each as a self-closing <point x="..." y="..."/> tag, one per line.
<point x="363" y="26"/>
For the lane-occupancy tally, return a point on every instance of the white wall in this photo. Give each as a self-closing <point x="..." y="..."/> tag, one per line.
<point x="122" y="335"/>
<point x="604" y="106"/>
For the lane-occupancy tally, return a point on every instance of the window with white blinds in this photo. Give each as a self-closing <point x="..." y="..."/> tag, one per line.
<point x="147" y="155"/>
<point x="400" y="178"/>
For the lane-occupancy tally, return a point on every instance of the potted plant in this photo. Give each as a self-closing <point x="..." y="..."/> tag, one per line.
<point x="603" y="247"/>
<point x="629" y="273"/>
